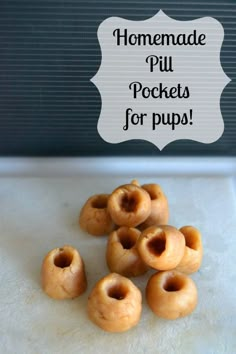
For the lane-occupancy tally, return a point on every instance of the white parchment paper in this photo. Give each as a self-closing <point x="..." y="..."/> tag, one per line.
<point x="40" y="214"/>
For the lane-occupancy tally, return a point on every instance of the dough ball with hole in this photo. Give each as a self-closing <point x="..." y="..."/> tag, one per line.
<point x="193" y="252"/>
<point x="129" y="205"/>
<point x="159" y="206"/>
<point x="161" y="247"/>
<point x="115" y="303"/>
<point x="121" y="253"/>
<point x="171" y="294"/>
<point x="94" y="217"/>
<point x="63" y="274"/>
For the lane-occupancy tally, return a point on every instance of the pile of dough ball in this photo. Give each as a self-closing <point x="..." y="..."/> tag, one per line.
<point x="129" y="205"/>
<point x="135" y="218"/>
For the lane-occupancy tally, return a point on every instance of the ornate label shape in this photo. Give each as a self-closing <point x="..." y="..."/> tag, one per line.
<point x="160" y="80"/>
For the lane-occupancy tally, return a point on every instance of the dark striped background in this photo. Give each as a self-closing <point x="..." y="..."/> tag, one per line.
<point x="48" y="54"/>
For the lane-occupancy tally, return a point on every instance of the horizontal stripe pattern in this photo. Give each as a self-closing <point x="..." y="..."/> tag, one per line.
<point x="49" y="52"/>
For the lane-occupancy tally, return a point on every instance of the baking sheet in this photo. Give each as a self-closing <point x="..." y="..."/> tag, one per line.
<point x="38" y="214"/>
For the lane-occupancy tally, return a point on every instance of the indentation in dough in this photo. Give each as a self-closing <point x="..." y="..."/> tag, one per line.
<point x="63" y="259"/>
<point x="173" y="284"/>
<point x="100" y="202"/>
<point x="117" y="291"/>
<point x="127" y="240"/>
<point x="129" y="202"/>
<point x="191" y="241"/>
<point x="157" y="244"/>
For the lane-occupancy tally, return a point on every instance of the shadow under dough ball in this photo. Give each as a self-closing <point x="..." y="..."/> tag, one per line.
<point x="63" y="274"/>
<point x="129" y="205"/>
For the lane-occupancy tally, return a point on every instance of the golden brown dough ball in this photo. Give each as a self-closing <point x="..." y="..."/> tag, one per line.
<point x="193" y="253"/>
<point x="129" y="205"/>
<point x="63" y="274"/>
<point x="159" y="206"/>
<point x="161" y="247"/>
<point x="171" y="294"/>
<point x="115" y="303"/>
<point x="94" y="216"/>
<point x="122" y="255"/>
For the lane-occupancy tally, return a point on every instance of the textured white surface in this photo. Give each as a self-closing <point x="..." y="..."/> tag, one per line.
<point x="38" y="214"/>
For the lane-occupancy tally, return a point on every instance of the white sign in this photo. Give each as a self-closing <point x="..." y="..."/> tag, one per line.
<point x="160" y="80"/>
